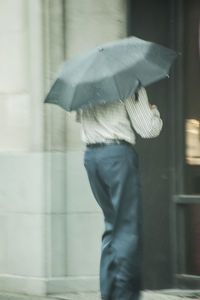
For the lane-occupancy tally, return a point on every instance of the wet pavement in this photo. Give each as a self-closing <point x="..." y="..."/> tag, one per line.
<point x="146" y="295"/>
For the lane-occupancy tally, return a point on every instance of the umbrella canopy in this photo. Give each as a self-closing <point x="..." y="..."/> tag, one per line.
<point x="110" y="72"/>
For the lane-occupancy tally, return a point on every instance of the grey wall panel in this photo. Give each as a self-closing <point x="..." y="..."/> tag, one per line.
<point x="150" y="20"/>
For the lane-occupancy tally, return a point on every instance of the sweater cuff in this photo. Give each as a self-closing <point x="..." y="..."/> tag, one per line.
<point x="155" y="112"/>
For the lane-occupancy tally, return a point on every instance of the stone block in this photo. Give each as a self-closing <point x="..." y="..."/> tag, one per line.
<point x="12" y="15"/>
<point x="14" y="75"/>
<point x="15" y="122"/>
<point x="83" y="243"/>
<point x="22" y="239"/>
<point x="22" y="185"/>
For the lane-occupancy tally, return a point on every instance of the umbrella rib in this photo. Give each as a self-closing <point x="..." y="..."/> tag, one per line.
<point x="117" y="87"/>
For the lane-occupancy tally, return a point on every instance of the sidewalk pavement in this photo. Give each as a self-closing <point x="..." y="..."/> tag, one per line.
<point x="146" y="295"/>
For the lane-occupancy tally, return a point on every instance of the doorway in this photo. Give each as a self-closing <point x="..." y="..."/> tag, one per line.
<point x="187" y="204"/>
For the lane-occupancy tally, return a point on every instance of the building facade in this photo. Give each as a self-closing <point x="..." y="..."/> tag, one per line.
<point x="50" y="224"/>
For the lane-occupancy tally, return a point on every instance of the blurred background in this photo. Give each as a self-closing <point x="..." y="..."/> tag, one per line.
<point x="50" y="225"/>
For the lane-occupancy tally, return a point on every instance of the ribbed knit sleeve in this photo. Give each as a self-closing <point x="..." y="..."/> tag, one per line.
<point x="146" y="121"/>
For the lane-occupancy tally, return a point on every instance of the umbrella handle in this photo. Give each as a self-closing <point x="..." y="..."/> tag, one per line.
<point x="137" y="89"/>
<point x="139" y="85"/>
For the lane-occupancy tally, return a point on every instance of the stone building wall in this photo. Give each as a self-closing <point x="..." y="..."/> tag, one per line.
<point x="51" y="227"/>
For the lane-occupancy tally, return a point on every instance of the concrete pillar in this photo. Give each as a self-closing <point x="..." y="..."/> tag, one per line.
<point x="22" y="230"/>
<point x="14" y="96"/>
<point x="50" y="223"/>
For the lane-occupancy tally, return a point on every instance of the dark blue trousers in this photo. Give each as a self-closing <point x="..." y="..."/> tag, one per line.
<point x="114" y="179"/>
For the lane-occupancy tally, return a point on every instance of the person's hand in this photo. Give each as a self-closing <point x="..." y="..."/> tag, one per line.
<point x="152" y="106"/>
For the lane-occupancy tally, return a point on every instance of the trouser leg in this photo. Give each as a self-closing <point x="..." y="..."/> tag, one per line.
<point x="126" y="238"/>
<point x="102" y="196"/>
<point x="115" y="183"/>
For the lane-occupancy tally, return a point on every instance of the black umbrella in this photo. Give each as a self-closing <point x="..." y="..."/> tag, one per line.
<point x="110" y="72"/>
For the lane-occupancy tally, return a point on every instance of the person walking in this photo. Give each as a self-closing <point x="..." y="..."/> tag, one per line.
<point x="111" y="162"/>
